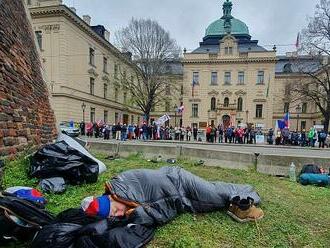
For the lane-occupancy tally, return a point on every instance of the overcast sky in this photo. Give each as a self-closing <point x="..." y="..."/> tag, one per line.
<point x="270" y="21"/>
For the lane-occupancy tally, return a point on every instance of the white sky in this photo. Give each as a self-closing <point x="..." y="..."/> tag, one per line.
<point x="270" y="21"/>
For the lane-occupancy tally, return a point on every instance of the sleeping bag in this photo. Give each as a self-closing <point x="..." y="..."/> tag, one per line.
<point x="158" y="196"/>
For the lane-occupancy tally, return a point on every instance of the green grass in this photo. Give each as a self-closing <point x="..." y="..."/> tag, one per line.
<point x="295" y="215"/>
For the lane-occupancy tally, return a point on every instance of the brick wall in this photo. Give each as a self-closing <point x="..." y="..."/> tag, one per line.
<point x="26" y="118"/>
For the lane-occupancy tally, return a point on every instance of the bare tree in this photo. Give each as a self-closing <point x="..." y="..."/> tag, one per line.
<point x="313" y="64"/>
<point x="152" y="49"/>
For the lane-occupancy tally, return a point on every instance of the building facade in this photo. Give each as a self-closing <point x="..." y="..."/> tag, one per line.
<point x="231" y="80"/>
<point x="82" y="67"/>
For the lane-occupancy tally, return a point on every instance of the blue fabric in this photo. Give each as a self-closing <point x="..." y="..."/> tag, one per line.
<point x="314" y="179"/>
<point x="28" y="195"/>
<point x="281" y="124"/>
<point x="104" y="206"/>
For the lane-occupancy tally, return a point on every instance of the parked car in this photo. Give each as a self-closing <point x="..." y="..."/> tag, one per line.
<point x="66" y="128"/>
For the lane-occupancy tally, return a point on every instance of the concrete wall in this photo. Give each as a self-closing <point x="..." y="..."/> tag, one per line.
<point x="266" y="164"/>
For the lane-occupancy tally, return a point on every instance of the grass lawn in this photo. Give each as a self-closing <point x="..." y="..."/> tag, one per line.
<point x="295" y="215"/>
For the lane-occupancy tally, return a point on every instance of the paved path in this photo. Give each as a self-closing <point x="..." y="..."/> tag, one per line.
<point x="262" y="149"/>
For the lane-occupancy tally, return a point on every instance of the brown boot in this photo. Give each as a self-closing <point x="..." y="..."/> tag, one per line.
<point x="243" y="210"/>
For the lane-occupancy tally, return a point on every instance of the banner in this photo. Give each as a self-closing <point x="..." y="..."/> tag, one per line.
<point x="162" y="120"/>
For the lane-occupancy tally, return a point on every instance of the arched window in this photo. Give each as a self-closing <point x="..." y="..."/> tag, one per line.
<point x="213" y="103"/>
<point x="226" y="102"/>
<point x="240" y="104"/>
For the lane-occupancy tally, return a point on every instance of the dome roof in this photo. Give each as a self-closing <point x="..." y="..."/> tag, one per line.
<point x="217" y="28"/>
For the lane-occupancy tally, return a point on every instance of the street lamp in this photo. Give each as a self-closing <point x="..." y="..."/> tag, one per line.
<point x="83" y="106"/>
<point x="175" y="110"/>
<point x="298" y="110"/>
<point x="247" y="117"/>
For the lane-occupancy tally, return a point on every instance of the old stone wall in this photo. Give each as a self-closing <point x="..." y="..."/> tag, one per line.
<point x="26" y="118"/>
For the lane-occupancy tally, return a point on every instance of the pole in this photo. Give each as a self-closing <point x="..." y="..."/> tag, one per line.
<point x="83" y="115"/>
<point x="298" y="122"/>
<point x="175" y="118"/>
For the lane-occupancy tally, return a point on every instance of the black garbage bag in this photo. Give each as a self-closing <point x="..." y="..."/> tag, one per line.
<point x="61" y="160"/>
<point x="21" y="219"/>
<point x="54" y="185"/>
<point x="95" y="235"/>
<point x="60" y="235"/>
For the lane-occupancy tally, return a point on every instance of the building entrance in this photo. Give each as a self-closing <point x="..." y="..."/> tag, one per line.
<point x="226" y="121"/>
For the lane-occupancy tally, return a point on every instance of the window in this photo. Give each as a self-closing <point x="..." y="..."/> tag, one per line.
<point x="226" y="102"/>
<point x="105" y="87"/>
<point x="168" y="90"/>
<point x="105" y="116"/>
<point x="132" y="119"/>
<point x="105" y="65"/>
<point x="116" y="118"/>
<point x="92" y="116"/>
<point x="228" y="50"/>
<point x="91" y="86"/>
<point x="92" y="56"/>
<point x="195" y="77"/>
<point x="39" y="38"/>
<point x="214" y="78"/>
<point x="167" y="106"/>
<point x="194" y="110"/>
<point x="116" y="71"/>
<point x="259" y="110"/>
<point x="261" y="77"/>
<point x="125" y="97"/>
<point x="286" y="107"/>
<point x="28" y="2"/>
<point x="213" y="104"/>
<point x="124" y="78"/>
<point x="240" y="104"/>
<point x="304" y="108"/>
<point x="227" y="77"/>
<point x="287" y="89"/>
<point x="138" y="120"/>
<point x="241" y="77"/>
<point x="116" y="94"/>
<point x="303" y="125"/>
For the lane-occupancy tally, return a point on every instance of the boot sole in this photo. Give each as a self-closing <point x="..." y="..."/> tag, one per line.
<point x="243" y="220"/>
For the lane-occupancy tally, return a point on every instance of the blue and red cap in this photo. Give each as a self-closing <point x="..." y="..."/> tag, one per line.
<point x="27" y="193"/>
<point x="97" y="206"/>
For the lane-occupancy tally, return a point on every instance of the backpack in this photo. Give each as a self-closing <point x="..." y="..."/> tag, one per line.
<point x="310" y="169"/>
<point x="20" y="219"/>
<point x="323" y="135"/>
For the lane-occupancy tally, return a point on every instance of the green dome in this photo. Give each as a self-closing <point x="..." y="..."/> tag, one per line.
<point x="217" y="28"/>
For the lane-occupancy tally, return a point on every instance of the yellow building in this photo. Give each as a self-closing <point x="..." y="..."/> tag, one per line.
<point x="230" y="80"/>
<point x="82" y="67"/>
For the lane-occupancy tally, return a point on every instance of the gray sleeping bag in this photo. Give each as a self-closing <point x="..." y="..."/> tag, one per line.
<point x="163" y="194"/>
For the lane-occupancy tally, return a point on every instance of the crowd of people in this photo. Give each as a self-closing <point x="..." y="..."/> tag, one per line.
<point x="212" y="134"/>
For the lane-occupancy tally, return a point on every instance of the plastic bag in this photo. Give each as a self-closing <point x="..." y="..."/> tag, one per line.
<point x="61" y="160"/>
<point x="54" y="185"/>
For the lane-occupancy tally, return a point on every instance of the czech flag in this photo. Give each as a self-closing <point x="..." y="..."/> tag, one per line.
<point x="287" y="120"/>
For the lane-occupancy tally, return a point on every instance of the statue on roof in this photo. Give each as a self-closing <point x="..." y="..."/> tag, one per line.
<point x="227" y="7"/>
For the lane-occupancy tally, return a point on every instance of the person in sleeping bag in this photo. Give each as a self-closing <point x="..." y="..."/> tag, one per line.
<point x="154" y="197"/>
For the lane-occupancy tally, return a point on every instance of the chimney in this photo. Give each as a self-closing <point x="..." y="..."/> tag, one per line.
<point x="87" y="19"/>
<point x="73" y="9"/>
<point x="107" y="35"/>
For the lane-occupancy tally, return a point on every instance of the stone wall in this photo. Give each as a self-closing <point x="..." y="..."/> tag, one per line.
<point x="26" y="118"/>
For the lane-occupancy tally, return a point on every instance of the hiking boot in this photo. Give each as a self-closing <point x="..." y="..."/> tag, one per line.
<point x="243" y="210"/>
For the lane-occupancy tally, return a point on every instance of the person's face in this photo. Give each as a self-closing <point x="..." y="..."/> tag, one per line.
<point x="117" y="209"/>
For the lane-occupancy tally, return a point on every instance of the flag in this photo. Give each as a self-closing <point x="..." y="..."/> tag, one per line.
<point x="287" y="120"/>
<point x="180" y="109"/>
<point x="298" y="41"/>
<point x="280" y="124"/>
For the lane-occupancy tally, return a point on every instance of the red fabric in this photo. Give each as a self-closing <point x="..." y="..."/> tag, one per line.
<point x="93" y="208"/>
<point x="36" y="193"/>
